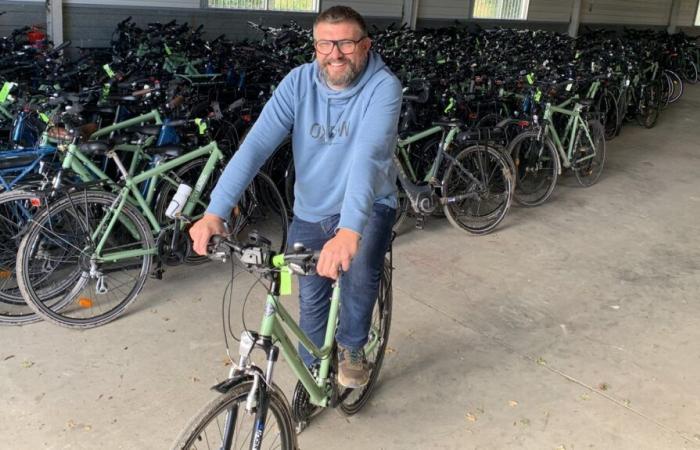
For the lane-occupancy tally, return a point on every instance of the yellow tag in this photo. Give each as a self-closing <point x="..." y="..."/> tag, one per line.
<point x="285" y="281"/>
<point x="201" y="125"/>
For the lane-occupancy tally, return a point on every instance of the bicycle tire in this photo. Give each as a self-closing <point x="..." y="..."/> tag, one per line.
<point x="46" y="235"/>
<point x="402" y="209"/>
<point x="678" y="86"/>
<point x="383" y="307"/>
<point x="607" y="105"/>
<point x="690" y="72"/>
<point x="589" y="173"/>
<point x="493" y="180"/>
<point x="262" y="205"/>
<point x="649" y="105"/>
<point x="537" y="168"/>
<point x="16" y="209"/>
<point x="195" y="431"/>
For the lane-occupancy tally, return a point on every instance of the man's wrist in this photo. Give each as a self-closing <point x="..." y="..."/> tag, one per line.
<point x="347" y="232"/>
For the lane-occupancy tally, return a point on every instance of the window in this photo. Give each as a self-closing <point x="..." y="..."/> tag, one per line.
<point x="267" y="5"/>
<point x="697" y="17"/>
<point x="500" y="9"/>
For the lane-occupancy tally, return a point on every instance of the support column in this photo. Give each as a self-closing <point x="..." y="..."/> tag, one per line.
<point x="575" y="18"/>
<point x="54" y="20"/>
<point x="673" y="16"/>
<point x="410" y="13"/>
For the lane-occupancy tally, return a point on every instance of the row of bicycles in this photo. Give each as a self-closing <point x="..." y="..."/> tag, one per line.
<point x="110" y="154"/>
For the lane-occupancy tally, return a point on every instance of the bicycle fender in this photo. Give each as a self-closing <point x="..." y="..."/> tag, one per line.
<point x="230" y="383"/>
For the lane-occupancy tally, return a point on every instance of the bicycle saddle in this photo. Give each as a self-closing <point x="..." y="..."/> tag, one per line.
<point x="172" y="151"/>
<point x="95" y="147"/>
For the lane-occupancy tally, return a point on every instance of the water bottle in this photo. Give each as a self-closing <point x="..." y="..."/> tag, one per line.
<point x="178" y="201"/>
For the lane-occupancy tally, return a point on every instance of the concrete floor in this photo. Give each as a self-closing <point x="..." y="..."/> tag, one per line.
<point x="573" y="326"/>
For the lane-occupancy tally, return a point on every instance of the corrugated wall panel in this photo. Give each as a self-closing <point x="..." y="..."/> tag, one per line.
<point x="686" y="14"/>
<point x="144" y="3"/>
<point x="443" y="9"/>
<point x="622" y="12"/>
<point x="19" y="14"/>
<point x="384" y="8"/>
<point x="550" y="10"/>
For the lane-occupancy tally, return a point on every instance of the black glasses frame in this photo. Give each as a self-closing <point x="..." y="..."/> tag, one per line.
<point x="336" y="43"/>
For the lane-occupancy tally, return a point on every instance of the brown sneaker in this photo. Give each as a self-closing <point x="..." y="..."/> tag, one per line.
<point x="353" y="370"/>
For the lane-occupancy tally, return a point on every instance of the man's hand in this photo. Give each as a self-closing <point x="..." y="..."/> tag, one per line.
<point x="337" y="253"/>
<point x="203" y="229"/>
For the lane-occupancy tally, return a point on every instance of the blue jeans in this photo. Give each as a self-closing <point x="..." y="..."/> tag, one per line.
<point x="358" y="286"/>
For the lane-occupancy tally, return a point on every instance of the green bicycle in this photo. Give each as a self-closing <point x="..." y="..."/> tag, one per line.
<point x="90" y="251"/>
<point x="250" y="411"/>
<point x="540" y="153"/>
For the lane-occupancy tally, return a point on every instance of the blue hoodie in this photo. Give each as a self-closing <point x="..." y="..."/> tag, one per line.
<point x="342" y="143"/>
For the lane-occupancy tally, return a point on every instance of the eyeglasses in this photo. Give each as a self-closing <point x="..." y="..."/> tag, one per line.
<point x="345" y="46"/>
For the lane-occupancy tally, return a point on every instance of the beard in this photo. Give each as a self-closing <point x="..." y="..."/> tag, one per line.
<point x="344" y="79"/>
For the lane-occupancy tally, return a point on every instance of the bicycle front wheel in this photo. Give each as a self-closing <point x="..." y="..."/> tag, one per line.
<point x="589" y="154"/>
<point x="262" y="209"/>
<point x="478" y="189"/>
<point x="536" y="168"/>
<point x="63" y="240"/>
<point x="224" y="423"/>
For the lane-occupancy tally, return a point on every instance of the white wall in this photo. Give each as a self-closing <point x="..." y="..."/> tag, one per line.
<point x="626" y="12"/>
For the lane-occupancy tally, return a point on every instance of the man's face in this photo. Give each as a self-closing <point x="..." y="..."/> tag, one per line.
<point x="339" y="69"/>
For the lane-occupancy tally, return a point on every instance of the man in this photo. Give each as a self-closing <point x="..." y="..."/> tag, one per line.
<point x="343" y="109"/>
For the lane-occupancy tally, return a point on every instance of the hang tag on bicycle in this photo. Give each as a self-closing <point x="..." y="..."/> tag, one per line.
<point x="285" y="281"/>
<point x="108" y="70"/>
<point x="538" y="95"/>
<point x="530" y="78"/>
<point x="569" y="86"/>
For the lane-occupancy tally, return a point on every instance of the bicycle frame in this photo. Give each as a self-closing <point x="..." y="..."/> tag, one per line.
<point x="130" y="191"/>
<point x="574" y="123"/>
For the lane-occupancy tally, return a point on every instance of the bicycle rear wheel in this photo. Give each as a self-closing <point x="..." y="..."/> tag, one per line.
<point x="478" y="189"/>
<point x="99" y="288"/>
<point x="536" y="168"/>
<point x="352" y="400"/>
<point x="677" y="84"/>
<point x="224" y="423"/>
<point x="649" y="104"/>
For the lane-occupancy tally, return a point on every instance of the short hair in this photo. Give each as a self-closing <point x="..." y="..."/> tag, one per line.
<point x="338" y="14"/>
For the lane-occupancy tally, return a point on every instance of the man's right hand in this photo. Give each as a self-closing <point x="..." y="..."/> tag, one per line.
<point x="202" y="231"/>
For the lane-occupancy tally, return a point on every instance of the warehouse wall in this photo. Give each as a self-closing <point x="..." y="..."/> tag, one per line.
<point x="626" y="12"/>
<point x="19" y="14"/>
<point x="538" y="11"/>
<point x="686" y="14"/>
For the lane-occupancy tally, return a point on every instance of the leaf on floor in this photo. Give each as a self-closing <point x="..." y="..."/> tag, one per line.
<point x="471" y="417"/>
<point x="513" y="403"/>
<point x="603" y="386"/>
<point x="26" y="364"/>
<point x="390" y="350"/>
<point x="585" y="397"/>
<point x="541" y="361"/>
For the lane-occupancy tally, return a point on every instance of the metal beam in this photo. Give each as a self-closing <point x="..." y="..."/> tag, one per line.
<point x="409" y="14"/>
<point x="673" y="16"/>
<point x="54" y="20"/>
<point x="575" y="18"/>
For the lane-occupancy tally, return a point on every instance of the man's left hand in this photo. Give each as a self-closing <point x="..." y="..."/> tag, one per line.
<point x="337" y="253"/>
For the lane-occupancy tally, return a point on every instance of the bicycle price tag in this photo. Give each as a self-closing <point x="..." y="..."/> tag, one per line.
<point x="450" y="106"/>
<point x="5" y="91"/>
<point x="201" y="125"/>
<point x="530" y="78"/>
<point x="501" y="92"/>
<point x="44" y="117"/>
<point x="108" y="70"/>
<point x="285" y="281"/>
<point x="569" y="86"/>
<point x="105" y="90"/>
<point x="538" y="95"/>
<point x="627" y="82"/>
<point x="578" y="55"/>
<point x="167" y="50"/>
